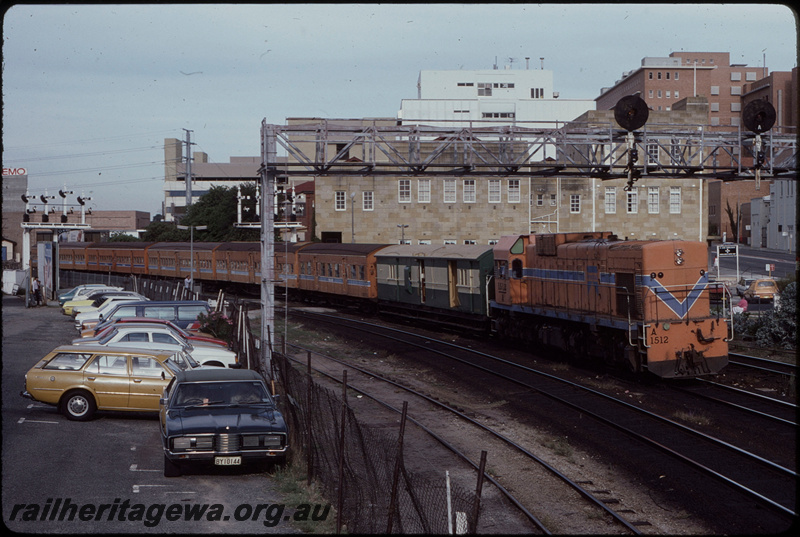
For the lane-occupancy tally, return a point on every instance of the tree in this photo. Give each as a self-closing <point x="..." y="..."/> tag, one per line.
<point x="217" y="211"/>
<point x="733" y="219"/>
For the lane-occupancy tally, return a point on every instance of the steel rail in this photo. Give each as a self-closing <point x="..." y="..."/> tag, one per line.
<point x="742" y="488"/>
<point x="583" y="492"/>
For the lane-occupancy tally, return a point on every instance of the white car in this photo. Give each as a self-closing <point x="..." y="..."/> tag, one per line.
<point x="150" y="336"/>
<point x="117" y="296"/>
<point x="82" y="294"/>
<point x="94" y="315"/>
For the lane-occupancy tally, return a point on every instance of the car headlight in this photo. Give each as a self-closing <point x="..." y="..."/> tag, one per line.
<point x="262" y="440"/>
<point x="186" y="443"/>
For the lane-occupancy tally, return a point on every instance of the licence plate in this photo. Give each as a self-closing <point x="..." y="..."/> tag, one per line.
<point x="227" y="461"/>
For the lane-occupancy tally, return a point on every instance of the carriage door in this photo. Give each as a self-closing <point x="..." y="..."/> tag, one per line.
<point x="626" y="298"/>
<point x="421" y="267"/>
<point x="452" y="283"/>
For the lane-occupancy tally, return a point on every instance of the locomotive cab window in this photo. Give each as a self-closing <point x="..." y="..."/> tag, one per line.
<point x="516" y="269"/>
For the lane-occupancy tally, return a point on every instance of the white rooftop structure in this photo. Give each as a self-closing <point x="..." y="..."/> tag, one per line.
<point x="524" y="97"/>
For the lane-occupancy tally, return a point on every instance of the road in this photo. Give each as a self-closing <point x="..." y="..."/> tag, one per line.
<point x="107" y="474"/>
<point x="753" y="263"/>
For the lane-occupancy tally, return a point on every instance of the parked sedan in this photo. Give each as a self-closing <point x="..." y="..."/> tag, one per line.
<point x="95" y="301"/>
<point x="81" y="379"/>
<point x="223" y="417"/>
<point x="68" y="295"/>
<point x="150" y="336"/>
<point x="188" y="333"/>
<point x="762" y="289"/>
<point x="93" y="317"/>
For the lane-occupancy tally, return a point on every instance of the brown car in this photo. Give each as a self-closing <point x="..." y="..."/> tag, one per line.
<point x="81" y="379"/>
<point x="761" y="289"/>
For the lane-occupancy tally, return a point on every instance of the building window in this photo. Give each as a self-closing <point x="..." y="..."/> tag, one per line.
<point x="652" y="200"/>
<point x="552" y="200"/>
<point x="736" y="107"/>
<point x="404" y="191"/>
<point x="650" y="75"/>
<point x="659" y="75"/>
<point x="714" y="90"/>
<point x="736" y="90"/>
<point x="674" y="200"/>
<point x="676" y="94"/>
<point x="574" y="203"/>
<point x="368" y="201"/>
<point x="450" y="241"/>
<point x="676" y="76"/>
<point x="514" y="194"/>
<point x="659" y="94"/>
<point x="484" y="89"/>
<point x="449" y="190"/>
<point x="652" y="154"/>
<point x="611" y="200"/>
<point x="667" y="73"/>
<point x="495" y="194"/>
<point x="736" y="77"/>
<point x="714" y="107"/>
<point x="750" y="76"/>
<point x="424" y="191"/>
<point x="341" y="200"/>
<point x="650" y="93"/>
<point x="539" y="200"/>
<point x="633" y="201"/>
<point x="668" y="94"/>
<point x="735" y="121"/>
<point x="469" y="191"/>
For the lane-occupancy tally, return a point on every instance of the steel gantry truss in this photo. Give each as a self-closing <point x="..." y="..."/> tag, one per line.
<point x="389" y="148"/>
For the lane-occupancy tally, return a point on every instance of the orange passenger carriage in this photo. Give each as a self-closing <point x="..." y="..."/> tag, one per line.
<point x="641" y="303"/>
<point x="344" y="270"/>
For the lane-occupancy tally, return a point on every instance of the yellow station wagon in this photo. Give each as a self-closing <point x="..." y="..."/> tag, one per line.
<point x="81" y="379"/>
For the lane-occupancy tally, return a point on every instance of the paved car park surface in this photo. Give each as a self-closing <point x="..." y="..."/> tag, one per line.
<point x="106" y="475"/>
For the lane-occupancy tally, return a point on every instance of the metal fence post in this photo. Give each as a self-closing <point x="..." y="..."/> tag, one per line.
<point x="340" y="494"/>
<point x="478" y="490"/>
<point x="397" y="462"/>
<point x="309" y="428"/>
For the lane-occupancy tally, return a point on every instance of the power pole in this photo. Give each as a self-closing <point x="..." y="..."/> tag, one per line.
<point x="268" y="172"/>
<point x="188" y="169"/>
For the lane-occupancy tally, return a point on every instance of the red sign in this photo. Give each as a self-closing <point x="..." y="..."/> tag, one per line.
<point x="14" y="171"/>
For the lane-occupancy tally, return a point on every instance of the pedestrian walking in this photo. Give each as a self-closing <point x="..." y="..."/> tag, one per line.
<point x="37" y="291"/>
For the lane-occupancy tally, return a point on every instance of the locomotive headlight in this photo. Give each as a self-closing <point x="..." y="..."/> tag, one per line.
<point x="679" y="261"/>
<point x="679" y="256"/>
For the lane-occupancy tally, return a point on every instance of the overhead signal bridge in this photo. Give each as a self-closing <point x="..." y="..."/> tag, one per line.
<point x="600" y="151"/>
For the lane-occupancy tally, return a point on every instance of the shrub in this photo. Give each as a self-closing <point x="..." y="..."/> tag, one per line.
<point x="217" y="324"/>
<point x="775" y="328"/>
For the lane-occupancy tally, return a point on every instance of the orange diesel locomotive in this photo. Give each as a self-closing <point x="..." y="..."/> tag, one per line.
<point x="643" y="302"/>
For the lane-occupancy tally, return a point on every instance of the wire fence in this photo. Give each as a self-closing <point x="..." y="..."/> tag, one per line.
<point x="362" y="467"/>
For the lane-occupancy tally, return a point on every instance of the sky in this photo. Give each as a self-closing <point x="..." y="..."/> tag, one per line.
<point x="90" y="92"/>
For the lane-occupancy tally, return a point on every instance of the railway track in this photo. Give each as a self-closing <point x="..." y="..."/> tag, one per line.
<point x="762" y="365"/>
<point x="507" y="444"/>
<point x="746" y="478"/>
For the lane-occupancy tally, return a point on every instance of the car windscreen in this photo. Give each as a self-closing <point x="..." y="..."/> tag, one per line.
<point x="221" y="393"/>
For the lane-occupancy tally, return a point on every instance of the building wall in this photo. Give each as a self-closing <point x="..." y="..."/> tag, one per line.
<point x="738" y="194"/>
<point x="782" y="230"/>
<point x="780" y="90"/>
<point x="713" y="76"/>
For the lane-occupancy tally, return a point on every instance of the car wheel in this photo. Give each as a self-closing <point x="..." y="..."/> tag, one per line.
<point x="78" y="406"/>
<point x="171" y="468"/>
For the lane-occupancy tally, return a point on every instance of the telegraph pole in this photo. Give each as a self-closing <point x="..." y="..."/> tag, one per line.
<point x="267" y="172"/>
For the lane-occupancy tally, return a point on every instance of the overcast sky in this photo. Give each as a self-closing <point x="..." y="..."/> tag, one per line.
<point x="91" y="91"/>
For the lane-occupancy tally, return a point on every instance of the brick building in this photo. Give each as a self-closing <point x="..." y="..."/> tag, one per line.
<point x="661" y="82"/>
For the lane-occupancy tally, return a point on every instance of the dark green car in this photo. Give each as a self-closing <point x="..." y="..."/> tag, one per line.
<point x="222" y="417"/>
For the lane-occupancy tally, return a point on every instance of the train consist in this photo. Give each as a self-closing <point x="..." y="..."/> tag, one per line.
<point x="644" y="304"/>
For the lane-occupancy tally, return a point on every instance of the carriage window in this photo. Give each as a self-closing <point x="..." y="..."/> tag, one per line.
<point x="516" y="268"/>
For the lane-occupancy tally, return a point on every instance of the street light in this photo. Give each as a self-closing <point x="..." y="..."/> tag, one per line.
<point x="402" y="232"/>
<point x="191" y="248"/>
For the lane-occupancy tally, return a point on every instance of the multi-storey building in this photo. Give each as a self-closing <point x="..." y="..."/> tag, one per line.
<point x="492" y="96"/>
<point x="779" y="88"/>
<point x="661" y="82"/>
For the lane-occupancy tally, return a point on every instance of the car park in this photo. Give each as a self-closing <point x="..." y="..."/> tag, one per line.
<point x="222" y="417"/>
<point x="190" y="332"/>
<point x="82" y="379"/>
<point x="181" y="312"/>
<point x="761" y="289"/>
<point x="83" y="292"/>
<point x="149" y="336"/>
